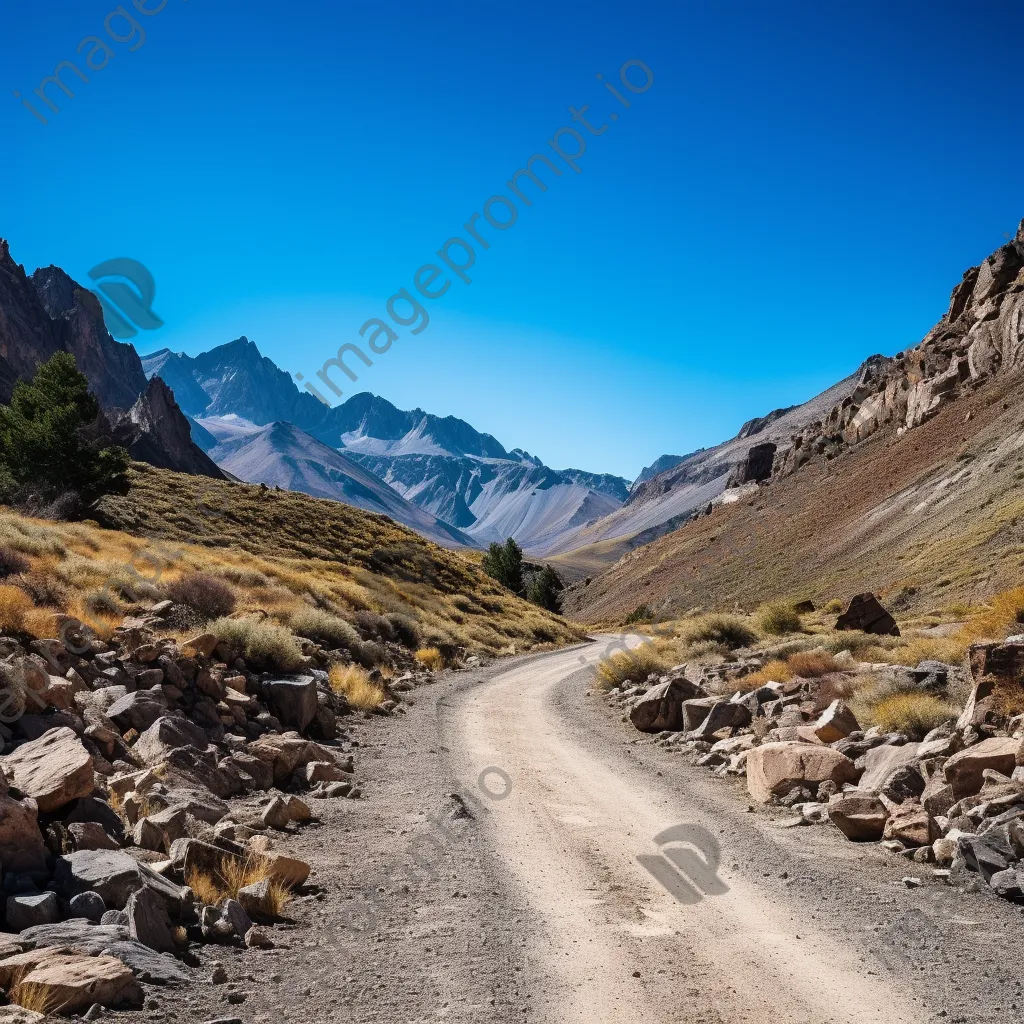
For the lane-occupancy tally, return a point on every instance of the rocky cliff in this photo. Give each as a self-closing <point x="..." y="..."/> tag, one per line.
<point x="48" y="313"/>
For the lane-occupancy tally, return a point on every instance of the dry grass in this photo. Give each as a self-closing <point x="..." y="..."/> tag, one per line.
<point x="777" y="618"/>
<point x="728" y="630"/>
<point x="233" y="874"/>
<point x="352" y="682"/>
<point x="811" y="664"/>
<point x="33" y="997"/>
<point x="430" y="658"/>
<point x="633" y="666"/>
<point x="774" y="671"/>
<point x="913" y="713"/>
<point x="15" y="604"/>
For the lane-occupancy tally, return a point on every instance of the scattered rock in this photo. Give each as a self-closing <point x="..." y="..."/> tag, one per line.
<point x="859" y="816"/>
<point x="53" y="770"/>
<point x="865" y="613"/>
<point x="32" y="909"/>
<point x="776" y="768"/>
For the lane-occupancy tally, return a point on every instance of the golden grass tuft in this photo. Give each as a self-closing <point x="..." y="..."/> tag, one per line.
<point x="15" y="604"/>
<point x="633" y="666"/>
<point x="774" y="671"/>
<point x="430" y="658"/>
<point x="729" y="630"/>
<point x="913" y="713"/>
<point x="811" y="664"/>
<point x="353" y="683"/>
<point x="233" y="874"/>
<point x="35" y="998"/>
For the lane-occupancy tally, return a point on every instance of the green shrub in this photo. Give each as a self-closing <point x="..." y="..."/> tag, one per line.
<point x="263" y="644"/>
<point x="778" y="618"/>
<point x="545" y="590"/>
<point x="728" y="630"/>
<point x="504" y="562"/>
<point x="323" y="628"/>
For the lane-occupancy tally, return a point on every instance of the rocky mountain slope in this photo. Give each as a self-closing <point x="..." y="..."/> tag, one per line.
<point x="452" y="471"/>
<point x="911" y="482"/>
<point x="282" y="455"/>
<point x="49" y="313"/>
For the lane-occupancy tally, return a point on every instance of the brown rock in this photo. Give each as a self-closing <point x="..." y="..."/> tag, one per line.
<point x="859" y="816"/>
<point x="866" y="614"/>
<point x="54" y="769"/>
<point x="288" y="751"/>
<point x="68" y="983"/>
<point x="995" y="667"/>
<point x="963" y="771"/>
<point x="90" y="835"/>
<point x="204" y="644"/>
<point x="21" y="842"/>
<point x="837" y="721"/>
<point x="910" y="825"/>
<point x="776" y="768"/>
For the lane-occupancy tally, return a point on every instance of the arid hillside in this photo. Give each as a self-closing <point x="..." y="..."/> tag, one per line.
<point x="932" y="518"/>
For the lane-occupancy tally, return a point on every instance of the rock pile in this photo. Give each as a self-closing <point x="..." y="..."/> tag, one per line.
<point x="953" y="799"/>
<point x="142" y="786"/>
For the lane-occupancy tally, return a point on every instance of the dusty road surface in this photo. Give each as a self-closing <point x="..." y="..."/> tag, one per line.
<point x="577" y="881"/>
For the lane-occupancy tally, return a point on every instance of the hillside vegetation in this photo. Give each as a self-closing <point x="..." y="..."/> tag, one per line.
<point x="304" y="566"/>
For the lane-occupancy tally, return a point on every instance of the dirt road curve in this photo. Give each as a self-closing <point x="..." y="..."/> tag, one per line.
<point x="576" y="898"/>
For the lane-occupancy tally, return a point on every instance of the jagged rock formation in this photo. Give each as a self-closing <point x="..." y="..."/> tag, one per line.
<point x="981" y="335"/>
<point x="49" y="313"/>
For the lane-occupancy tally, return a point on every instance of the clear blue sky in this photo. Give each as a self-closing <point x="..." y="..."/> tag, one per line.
<point x="802" y="186"/>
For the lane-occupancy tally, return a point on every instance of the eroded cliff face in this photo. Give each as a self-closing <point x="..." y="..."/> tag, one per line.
<point x="981" y="335"/>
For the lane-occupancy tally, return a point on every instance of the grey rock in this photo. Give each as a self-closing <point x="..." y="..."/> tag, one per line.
<point x="293" y="701"/>
<point x="148" y="921"/>
<point x="661" y="708"/>
<point x="32" y="909"/>
<point x="138" y="710"/>
<point x="114" y="917"/>
<point x="167" y="734"/>
<point x="90" y="905"/>
<point x="114" y="875"/>
<point x="985" y="855"/>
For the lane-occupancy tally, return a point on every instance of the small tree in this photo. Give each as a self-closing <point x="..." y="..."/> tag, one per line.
<point x="45" y="447"/>
<point x="546" y="589"/>
<point x="504" y="562"/>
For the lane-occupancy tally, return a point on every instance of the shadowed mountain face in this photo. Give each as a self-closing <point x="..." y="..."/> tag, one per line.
<point x="282" y="455"/>
<point x="49" y="313"/>
<point x="441" y="464"/>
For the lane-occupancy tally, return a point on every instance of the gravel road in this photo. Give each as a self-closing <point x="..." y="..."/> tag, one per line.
<point x="565" y="886"/>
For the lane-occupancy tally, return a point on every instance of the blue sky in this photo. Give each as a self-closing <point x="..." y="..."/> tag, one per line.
<point x="802" y="186"/>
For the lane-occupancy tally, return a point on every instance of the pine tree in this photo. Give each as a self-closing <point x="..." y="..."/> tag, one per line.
<point x="44" y="443"/>
<point x="504" y="562"/>
<point x="546" y="589"/>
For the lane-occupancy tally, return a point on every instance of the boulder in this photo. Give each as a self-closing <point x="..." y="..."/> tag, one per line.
<point x="882" y="762"/>
<point x="1008" y="883"/>
<point x="21" y="843"/>
<point x="985" y="855"/>
<point x="996" y="667"/>
<point x="53" y="770"/>
<point x="321" y="771"/>
<point x="859" y="816"/>
<point x="289" y="871"/>
<point x="254" y="773"/>
<point x="910" y="825"/>
<point x="723" y="714"/>
<point x="661" y="708"/>
<point x="866" y="614"/>
<point x="293" y="701"/>
<point x="68" y="983"/>
<point x="835" y="723"/>
<point x="90" y="836"/>
<point x="148" y="920"/>
<point x="258" y="899"/>
<point x="204" y="644"/>
<point x="114" y="875"/>
<point x="905" y="783"/>
<point x="32" y="909"/>
<point x="166" y="734"/>
<point x="287" y="751"/>
<point x="774" y="769"/>
<point x="138" y="710"/>
<point x="275" y="814"/>
<point x="963" y="771"/>
<point x="89" y="905"/>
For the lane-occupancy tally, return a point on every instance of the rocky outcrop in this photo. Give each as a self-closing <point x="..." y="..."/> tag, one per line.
<point x="49" y="313"/>
<point x="155" y="430"/>
<point x="981" y="335"/>
<point x="866" y="613"/>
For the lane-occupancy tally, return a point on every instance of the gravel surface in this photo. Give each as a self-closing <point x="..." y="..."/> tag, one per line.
<point x="540" y="893"/>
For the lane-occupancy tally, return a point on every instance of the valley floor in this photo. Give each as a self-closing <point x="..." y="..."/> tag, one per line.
<point x="540" y="893"/>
